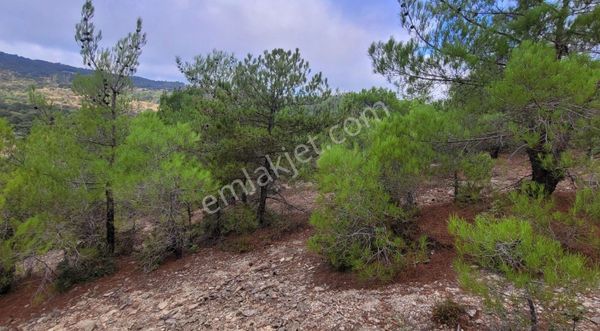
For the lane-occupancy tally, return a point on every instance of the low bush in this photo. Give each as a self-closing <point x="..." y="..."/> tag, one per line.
<point x="357" y="226"/>
<point x="587" y="202"/>
<point x="7" y="277"/>
<point x="89" y="264"/>
<point x="544" y="277"/>
<point x="155" y="250"/>
<point x="447" y="313"/>
<point x="238" y="219"/>
<point x="477" y="170"/>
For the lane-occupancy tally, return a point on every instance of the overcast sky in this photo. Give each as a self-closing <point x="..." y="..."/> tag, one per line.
<point x="332" y="35"/>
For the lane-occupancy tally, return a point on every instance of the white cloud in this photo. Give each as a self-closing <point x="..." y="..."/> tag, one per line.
<point x="330" y="39"/>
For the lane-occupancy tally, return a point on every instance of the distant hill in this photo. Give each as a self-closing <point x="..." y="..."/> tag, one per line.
<point x="63" y="74"/>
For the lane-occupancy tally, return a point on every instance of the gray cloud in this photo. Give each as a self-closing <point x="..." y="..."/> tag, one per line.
<point x="333" y="36"/>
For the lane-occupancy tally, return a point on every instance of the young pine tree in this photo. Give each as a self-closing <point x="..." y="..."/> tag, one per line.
<point x="515" y="269"/>
<point x="161" y="178"/>
<point x="272" y="91"/>
<point x="113" y="68"/>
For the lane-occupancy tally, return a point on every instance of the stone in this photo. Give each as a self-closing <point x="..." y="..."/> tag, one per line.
<point x="596" y="320"/>
<point x="472" y="313"/>
<point x="249" y="312"/>
<point x="163" y="305"/>
<point x="86" y="325"/>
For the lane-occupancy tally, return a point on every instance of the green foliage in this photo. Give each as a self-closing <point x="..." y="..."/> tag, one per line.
<point x="161" y="181"/>
<point x="88" y="265"/>
<point x="447" y="313"/>
<point x="210" y="74"/>
<point x="587" y="201"/>
<point x="367" y="191"/>
<point x="530" y="203"/>
<point x="536" y="266"/>
<point x="355" y="219"/>
<point x="525" y="73"/>
<point x="464" y="44"/>
<point x="47" y="196"/>
<point x="240" y="219"/>
<point x="477" y="170"/>
<point x="354" y="103"/>
<point x="245" y="111"/>
<point x="7" y="267"/>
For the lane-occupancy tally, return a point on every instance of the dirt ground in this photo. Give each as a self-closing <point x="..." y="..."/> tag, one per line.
<point x="279" y="285"/>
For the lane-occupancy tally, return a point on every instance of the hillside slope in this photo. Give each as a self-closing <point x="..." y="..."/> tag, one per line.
<point x="279" y="285"/>
<point x="63" y="74"/>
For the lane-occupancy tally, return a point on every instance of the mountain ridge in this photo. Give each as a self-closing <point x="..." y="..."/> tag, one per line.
<point x="63" y="74"/>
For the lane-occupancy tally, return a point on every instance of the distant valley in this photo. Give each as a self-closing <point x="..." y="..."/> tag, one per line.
<point x="19" y="74"/>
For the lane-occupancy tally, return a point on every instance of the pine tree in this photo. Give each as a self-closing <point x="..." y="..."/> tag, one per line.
<point x="272" y="89"/>
<point x="466" y="44"/>
<point x="113" y="68"/>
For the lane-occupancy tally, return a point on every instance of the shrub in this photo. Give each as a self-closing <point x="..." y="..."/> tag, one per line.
<point x="357" y="226"/>
<point x="7" y="277"/>
<point x="7" y="268"/>
<point x="587" y="201"/>
<point x="238" y="245"/>
<point x="154" y="251"/>
<point x="477" y="170"/>
<point x="89" y="264"/>
<point x="533" y="266"/>
<point x="240" y="219"/>
<point x="364" y="221"/>
<point x="7" y="265"/>
<point x="447" y="313"/>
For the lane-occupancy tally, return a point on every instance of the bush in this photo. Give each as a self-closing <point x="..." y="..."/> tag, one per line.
<point x="89" y="264"/>
<point x="533" y="265"/>
<point x="364" y="220"/>
<point x="587" y="202"/>
<point x="477" y="170"/>
<point x="447" y="313"/>
<point x="7" y="265"/>
<point x="238" y="219"/>
<point x="154" y="251"/>
<point x="7" y="277"/>
<point x="357" y="226"/>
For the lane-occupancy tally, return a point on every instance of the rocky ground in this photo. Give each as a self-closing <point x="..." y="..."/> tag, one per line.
<point x="269" y="290"/>
<point x="279" y="286"/>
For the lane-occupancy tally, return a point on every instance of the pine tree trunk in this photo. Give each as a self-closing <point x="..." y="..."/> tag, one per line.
<point x="110" y="221"/>
<point x="264" y="189"/>
<point x="262" y="206"/>
<point x="110" y="200"/>
<point x="189" y="213"/>
<point x="532" y="315"/>
<point x="495" y="152"/>
<point x="546" y="177"/>
<point x="262" y="199"/>
<point x="456" y="185"/>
